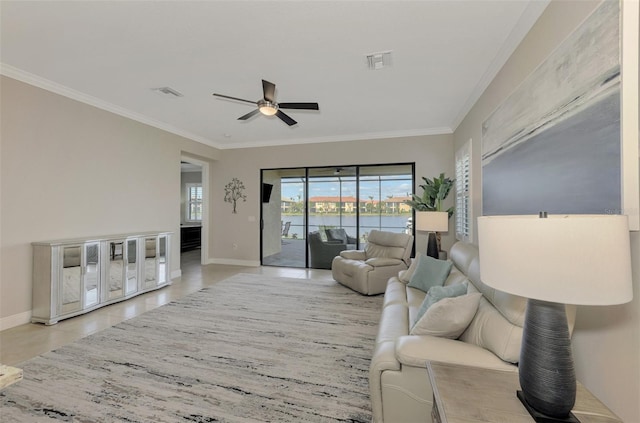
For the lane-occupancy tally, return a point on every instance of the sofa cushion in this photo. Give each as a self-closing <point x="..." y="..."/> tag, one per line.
<point x="415" y="297"/>
<point x="449" y="317"/>
<point x="405" y="275"/>
<point x="417" y="350"/>
<point x="382" y="261"/>
<point x="489" y="329"/>
<point x="389" y="244"/>
<point x="353" y="254"/>
<point x="437" y="293"/>
<point x="455" y="276"/>
<point x="430" y="272"/>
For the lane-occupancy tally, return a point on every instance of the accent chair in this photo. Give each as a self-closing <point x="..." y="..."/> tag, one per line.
<point x="367" y="271"/>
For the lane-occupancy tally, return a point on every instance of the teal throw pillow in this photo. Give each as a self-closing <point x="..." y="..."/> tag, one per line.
<point x="438" y="293"/>
<point x="430" y="272"/>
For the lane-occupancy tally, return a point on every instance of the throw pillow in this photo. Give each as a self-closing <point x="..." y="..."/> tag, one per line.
<point x="430" y="272"/>
<point x="437" y="293"/>
<point x="405" y="275"/>
<point x="336" y="235"/>
<point x="449" y="317"/>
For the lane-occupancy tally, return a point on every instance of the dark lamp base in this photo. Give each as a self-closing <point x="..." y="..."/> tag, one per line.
<point x="543" y="418"/>
<point x="432" y="246"/>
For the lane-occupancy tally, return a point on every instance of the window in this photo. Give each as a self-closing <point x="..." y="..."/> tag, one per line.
<point x="463" y="193"/>
<point x="194" y="202"/>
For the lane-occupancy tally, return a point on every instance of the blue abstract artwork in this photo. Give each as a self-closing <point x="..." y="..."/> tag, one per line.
<point x="555" y="143"/>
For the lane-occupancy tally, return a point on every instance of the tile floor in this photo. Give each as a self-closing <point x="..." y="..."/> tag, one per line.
<point x="27" y="341"/>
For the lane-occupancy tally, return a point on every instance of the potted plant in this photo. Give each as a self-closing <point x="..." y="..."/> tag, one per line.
<point x="434" y="192"/>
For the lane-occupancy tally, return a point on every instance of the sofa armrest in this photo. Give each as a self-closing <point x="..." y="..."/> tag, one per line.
<point x="415" y="351"/>
<point x="382" y="261"/>
<point x="384" y="357"/>
<point x="353" y="254"/>
<point x="383" y="360"/>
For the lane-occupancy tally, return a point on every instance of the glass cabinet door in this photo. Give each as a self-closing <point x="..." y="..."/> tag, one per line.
<point x="91" y="274"/>
<point x="71" y="283"/>
<point x="115" y="270"/>
<point x="162" y="260"/>
<point x="150" y="263"/>
<point x="131" y="254"/>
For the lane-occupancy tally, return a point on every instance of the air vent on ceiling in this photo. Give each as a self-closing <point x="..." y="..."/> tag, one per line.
<point x="380" y="60"/>
<point x="168" y="91"/>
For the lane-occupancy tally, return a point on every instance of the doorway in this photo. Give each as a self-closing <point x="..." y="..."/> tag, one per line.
<point x="194" y="219"/>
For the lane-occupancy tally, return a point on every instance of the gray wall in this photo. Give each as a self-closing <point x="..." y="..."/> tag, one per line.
<point x="71" y="170"/>
<point x="432" y="155"/>
<point x="606" y="339"/>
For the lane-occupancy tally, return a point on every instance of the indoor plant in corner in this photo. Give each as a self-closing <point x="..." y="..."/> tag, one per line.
<point x="434" y="192"/>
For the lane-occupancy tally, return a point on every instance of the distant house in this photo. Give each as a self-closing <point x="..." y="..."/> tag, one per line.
<point x="286" y="205"/>
<point x="335" y="204"/>
<point x="332" y="204"/>
<point x="397" y="205"/>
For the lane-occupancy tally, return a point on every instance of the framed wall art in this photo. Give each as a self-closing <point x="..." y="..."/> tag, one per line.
<point x="566" y="140"/>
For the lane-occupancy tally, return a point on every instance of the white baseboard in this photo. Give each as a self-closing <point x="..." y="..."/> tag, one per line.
<point x="234" y="262"/>
<point x="176" y="273"/>
<point x="15" y="320"/>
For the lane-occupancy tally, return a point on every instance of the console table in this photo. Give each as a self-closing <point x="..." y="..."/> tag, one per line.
<point x="76" y="276"/>
<point x="465" y="394"/>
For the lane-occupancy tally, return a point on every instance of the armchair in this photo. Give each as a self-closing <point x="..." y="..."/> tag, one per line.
<point x="321" y="253"/>
<point x="339" y="234"/>
<point x="367" y="271"/>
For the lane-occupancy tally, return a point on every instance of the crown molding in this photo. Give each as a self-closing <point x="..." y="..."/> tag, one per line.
<point x="528" y="18"/>
<point x="45" y="84"/>
<point x="342" y="138"/>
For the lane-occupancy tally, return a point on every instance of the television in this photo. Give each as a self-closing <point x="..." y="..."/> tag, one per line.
<point x="266" y="192"/>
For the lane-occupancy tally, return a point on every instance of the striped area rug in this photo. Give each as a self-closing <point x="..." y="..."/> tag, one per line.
<point x="248" y="349"/>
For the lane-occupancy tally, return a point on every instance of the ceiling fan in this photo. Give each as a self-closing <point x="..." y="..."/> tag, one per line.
<point x="268" y="106"/>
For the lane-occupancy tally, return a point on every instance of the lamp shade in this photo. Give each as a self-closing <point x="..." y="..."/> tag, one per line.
<point x="570" y="259"/>
<point x="432" y="221"/>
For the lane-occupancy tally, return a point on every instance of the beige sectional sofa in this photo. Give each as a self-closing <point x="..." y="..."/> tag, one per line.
<point x="400" y="387"/>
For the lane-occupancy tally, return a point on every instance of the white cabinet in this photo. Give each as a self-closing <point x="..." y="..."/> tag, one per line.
<point x="75" y="276"/>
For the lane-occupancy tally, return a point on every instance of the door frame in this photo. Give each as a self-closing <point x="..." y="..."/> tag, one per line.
<point x="204" y="236"/>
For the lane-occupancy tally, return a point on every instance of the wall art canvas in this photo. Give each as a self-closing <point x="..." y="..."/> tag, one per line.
<point x="555" y="143"/>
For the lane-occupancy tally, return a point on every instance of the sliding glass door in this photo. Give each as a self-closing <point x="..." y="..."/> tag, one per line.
<point x="284" y="217"/>
<point x="332" y="200"/>
<point x="314" y="213"/>
<point x="383" y="191"/>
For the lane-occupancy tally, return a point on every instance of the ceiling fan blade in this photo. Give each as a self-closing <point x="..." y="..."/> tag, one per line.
<point x="306" y="106"/>
<point x="250" y="114"/>
<point x="235" y="98"/>
<point x="269" y="90"/>
<point x="285" y="118"/>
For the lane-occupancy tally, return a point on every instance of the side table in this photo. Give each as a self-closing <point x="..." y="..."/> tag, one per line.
<point x="464" y="394"/>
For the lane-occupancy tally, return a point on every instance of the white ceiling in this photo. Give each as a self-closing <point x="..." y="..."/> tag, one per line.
<point x="111" y="54"/>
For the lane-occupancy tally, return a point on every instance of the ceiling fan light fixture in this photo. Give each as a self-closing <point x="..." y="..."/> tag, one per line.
<point x="267" y="108"/>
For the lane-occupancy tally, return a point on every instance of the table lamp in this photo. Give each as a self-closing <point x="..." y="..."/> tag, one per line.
<point x="553" y="261"/>
<point x="432" y="222"/>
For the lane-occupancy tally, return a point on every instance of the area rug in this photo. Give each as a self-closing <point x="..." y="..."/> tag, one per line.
<point x="248" y="349"/>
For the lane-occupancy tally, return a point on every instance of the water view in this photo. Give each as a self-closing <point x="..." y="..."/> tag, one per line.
<point x="391" y="223"/>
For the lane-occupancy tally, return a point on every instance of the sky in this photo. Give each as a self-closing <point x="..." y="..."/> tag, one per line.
<point x="375" y="189"/>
